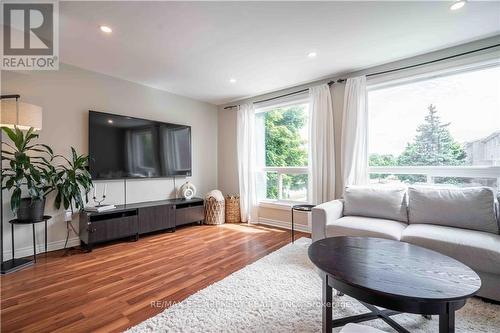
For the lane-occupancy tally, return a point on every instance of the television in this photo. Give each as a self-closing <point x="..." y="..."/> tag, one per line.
<point x="127" y="147"/>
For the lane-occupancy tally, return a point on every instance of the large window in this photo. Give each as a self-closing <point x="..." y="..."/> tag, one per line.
<point x="440" y="130"/>
<point x="282" y="149"/>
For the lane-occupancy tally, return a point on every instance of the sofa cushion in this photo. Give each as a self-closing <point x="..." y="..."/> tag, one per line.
<point x="468" y="208"/>
<point x="365" y="227"/>
<point x="479" y="250"/>
<point x="376" y="201"/>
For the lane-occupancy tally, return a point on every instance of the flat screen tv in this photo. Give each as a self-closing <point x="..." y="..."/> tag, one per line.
<point x="126" y="147"/>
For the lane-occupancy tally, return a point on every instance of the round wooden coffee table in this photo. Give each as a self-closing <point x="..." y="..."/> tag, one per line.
<point x="397" y="276"/>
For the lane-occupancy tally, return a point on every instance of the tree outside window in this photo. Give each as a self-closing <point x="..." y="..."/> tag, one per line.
<point x="286" y="135"/>
<point x="447" y="121"/>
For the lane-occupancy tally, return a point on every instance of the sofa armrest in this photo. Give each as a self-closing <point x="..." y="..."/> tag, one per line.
<point x="322" y="215"/>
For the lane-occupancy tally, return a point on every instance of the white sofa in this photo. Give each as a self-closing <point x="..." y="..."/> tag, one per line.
<point x="461" y="223"/>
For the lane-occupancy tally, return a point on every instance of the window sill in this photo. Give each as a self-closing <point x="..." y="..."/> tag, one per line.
<point x="282" y="205"/>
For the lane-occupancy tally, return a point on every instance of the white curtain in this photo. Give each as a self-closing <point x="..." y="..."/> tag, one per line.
<point x="246" y="162"/>
<point x="321" y="141"/>
<point x="354" y="163"/>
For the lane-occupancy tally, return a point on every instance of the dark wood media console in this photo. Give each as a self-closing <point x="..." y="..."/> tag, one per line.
<point x="135" y="219"/>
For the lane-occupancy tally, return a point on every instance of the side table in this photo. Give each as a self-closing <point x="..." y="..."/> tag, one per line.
<point x="299" y="208"/>
<point x="21" y="262"/>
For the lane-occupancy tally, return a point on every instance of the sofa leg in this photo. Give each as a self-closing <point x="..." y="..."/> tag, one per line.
<point x="428" y="317"/>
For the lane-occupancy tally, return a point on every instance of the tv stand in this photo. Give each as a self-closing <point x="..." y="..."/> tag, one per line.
<point x="133" y="220"/>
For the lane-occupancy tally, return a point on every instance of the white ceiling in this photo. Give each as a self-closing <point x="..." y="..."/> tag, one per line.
<point x="194" y="48"/>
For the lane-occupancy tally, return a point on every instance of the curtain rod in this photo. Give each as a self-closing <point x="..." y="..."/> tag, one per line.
<point x="422" y="63"/>
<point x="270" y="99"/>
<point x="382" y="72"/>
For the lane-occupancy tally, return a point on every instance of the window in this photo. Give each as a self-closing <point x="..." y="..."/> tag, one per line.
<point x="439" y="130"/>
<point x="282" y="150"/>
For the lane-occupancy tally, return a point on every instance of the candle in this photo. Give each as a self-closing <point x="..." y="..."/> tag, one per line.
<point x="95" y="191"/>
<point x="105" y="188"/>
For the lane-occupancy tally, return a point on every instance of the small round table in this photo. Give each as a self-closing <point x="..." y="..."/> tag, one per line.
<point x="299" y="208"/>
<point x="397" y="276"/>
<point x="26" y="222"/>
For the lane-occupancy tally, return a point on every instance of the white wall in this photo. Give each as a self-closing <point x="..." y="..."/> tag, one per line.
<point x="227" y="153"/>
<point x="67" y="95"/>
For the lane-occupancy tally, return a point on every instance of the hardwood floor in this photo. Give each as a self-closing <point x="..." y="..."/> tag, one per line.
<point x="121" y="284"/>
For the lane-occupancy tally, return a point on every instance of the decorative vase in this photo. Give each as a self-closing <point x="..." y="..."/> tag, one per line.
<point x="188" y="190"/>
<point x="31" y="209"/>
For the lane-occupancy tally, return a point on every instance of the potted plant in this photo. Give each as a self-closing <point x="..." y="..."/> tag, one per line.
<point x="29" y="167"/>
<point x="69" y="181"/>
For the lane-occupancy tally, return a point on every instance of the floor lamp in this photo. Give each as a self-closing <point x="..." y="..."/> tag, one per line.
<point x="14" y="113"/>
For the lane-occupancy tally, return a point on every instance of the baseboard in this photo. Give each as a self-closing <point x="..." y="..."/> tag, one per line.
<point x="75" y="241"/>
<point x="284" y="225"/>
<point x="40" y="248"/>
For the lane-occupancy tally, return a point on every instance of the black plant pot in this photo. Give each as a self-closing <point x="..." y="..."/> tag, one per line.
<point x="31" y="209"/>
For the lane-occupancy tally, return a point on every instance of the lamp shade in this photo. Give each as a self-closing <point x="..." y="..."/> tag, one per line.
<point x="23" y="115"/>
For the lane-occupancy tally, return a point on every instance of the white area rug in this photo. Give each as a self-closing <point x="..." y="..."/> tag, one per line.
<point x="282" y="293"/>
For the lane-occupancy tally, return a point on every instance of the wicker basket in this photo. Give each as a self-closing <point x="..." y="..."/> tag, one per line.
<point x="214" y="208"/>
<point x="233" y="214"/>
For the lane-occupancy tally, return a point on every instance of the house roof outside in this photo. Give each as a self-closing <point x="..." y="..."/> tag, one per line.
<point x="484" y="151"/>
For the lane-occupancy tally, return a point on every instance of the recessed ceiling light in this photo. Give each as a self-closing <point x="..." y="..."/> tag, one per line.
<point x="105" y="28"/>
<point x="457" y="4"/>
<point x="232" y="80"/>
<point x="312" y="55"/>
<point x="110" y="121"/>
